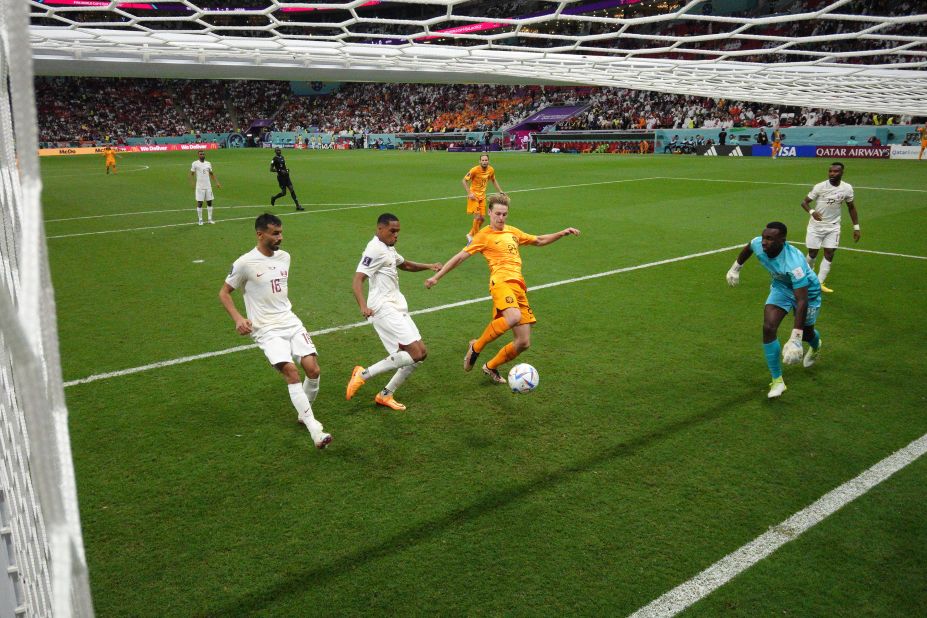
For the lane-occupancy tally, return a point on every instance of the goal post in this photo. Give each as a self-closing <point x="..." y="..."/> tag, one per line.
<point x="41" y="548"/>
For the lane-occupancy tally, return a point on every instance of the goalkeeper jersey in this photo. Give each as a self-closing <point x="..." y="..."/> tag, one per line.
<point x="789" y="269"/>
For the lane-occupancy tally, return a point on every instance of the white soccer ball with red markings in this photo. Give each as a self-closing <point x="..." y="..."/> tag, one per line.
<point x="523" y="378"/>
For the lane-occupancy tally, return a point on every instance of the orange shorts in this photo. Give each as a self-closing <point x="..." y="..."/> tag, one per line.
<point x="506" y="294"/>
<point x="477" y="206"/>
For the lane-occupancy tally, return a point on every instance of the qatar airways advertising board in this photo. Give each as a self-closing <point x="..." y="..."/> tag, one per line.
<point x="825" y="152"/>
<point x="852" y="152"/>
<point x="905" y="152"/>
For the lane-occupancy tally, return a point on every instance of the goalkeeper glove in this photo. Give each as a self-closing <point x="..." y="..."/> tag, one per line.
<point x="792" y="350"/>
<point x="733" y="275"/>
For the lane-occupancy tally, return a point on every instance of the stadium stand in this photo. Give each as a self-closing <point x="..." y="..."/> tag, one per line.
<point x="103" y="109"/>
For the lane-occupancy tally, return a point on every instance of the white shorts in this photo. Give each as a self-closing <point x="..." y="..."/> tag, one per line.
<point x="394" y="328"/>
<point x="282" y="344"/>
<point x="204" y="194"/>
<point x="829" y="238"/>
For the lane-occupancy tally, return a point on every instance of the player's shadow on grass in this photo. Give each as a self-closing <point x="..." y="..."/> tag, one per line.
<point x="256" y="602"/>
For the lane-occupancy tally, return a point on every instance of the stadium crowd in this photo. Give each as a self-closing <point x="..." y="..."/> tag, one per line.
<point x="100" y="109"/>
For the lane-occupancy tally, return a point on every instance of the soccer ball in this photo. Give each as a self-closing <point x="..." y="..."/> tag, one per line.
<point x="523" y="378"/>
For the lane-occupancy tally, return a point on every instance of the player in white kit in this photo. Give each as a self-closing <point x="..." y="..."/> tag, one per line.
<point x="261" y="275"/>
<point x="824" y="225"/>
<point x="201" y="170"/>
<point x="386" y="308"/>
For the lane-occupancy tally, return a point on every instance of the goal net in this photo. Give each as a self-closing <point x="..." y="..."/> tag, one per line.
<point x="41" y="550"/>
<point x="836" y="54"/>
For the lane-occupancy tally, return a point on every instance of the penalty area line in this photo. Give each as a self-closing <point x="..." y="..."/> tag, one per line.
<point x="787" y="184"/>
<point x="187" y="359"/>
<point x="738" y="561"/>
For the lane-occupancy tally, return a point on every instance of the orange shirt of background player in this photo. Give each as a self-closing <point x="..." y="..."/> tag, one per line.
<point x="501" y="251"/>
<point x="478" y="179"/>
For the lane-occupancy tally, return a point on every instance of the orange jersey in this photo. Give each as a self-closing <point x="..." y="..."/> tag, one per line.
<point x="479" y="178"/>
<point x="777" y="137"/>
<point x="501" y="251"/>
<point x="923" y="131"/>
<point x="110" y="155"/>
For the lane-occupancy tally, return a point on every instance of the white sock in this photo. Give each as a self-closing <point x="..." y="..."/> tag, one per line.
<point x="304" y="409"/>
<point x="824" y="270"/>
<point x="209" y="212"/>
<point x="311" y="388"/>
<point x="199" y="214"/>
<point x="810" y="261"/>
<point x="393" y="361"/>
<point x="399" y="377"/>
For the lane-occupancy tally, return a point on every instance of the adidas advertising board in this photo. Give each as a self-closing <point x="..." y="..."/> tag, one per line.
<point x="725" y="151"/>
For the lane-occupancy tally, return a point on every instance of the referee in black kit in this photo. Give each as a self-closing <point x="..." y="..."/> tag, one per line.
<point x="278" y="166"/>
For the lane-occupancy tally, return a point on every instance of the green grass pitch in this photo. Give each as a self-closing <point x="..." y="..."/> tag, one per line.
<point x="647" y="453"/>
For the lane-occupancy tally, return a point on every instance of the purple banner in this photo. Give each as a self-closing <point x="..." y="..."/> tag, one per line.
<point x="550" y="115"/>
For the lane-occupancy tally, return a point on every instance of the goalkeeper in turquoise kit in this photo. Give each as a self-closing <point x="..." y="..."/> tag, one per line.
<point x="794" y="287"/>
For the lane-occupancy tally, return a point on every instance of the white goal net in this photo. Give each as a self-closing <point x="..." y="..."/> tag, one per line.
<point x="41" y="550"/>
<point x="861" y="55"/>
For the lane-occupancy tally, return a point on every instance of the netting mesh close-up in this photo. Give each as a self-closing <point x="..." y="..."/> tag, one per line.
<point x="864" y="55"/>
<point x="41" y="548"/>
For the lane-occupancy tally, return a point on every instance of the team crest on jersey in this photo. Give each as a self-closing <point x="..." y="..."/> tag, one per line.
<point x="366" y="261"/>
<point x="798" y="272"/>
<point x="231" y="270"/>
<point x="509" y="299"/>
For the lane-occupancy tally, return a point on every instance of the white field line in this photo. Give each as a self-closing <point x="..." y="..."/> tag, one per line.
<point x="188" y="209"/>
<point x="309" y="212"/>
<point x="904" y="255"/>
<point x="789" y="184"/>
<point x="139" y="168"/>
<point x="721" y="572"/>
<point x="187" y="359"/>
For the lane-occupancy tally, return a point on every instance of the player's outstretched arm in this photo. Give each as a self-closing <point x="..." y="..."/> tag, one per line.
<point x="733" y="274"/>
<point x="450" y="265"/>
<point x="242" y="324"/>
<point x="546" y="239"/>
<point x="414" y="267"/>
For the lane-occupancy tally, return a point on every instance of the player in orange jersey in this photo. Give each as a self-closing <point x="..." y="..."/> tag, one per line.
<point x="777" y="142"/>
<point x="110" y="153"/>
<point x="923" y="131"/>
<point x="475" y="185"/>
<point x="499" y="243"/>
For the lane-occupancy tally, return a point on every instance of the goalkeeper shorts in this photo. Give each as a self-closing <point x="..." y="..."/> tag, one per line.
<point x="786" y="300"/>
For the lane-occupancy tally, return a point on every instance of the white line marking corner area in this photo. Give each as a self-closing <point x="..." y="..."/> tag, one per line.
<point x="738" y="561"/>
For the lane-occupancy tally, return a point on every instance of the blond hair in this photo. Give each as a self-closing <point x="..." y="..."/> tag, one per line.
<point x="498" y="198"/>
